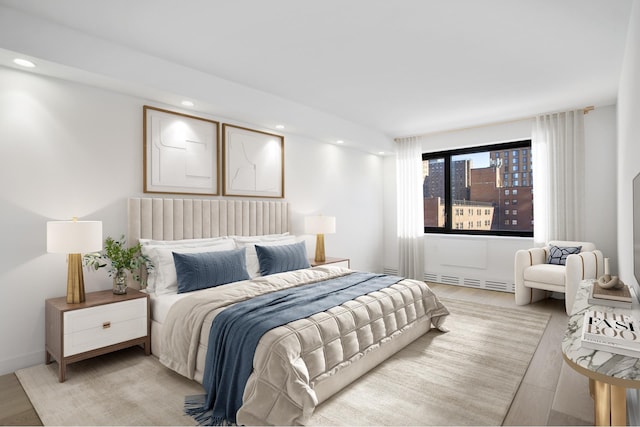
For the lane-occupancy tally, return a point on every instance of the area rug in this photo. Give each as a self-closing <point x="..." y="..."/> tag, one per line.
<point x="467" y="376"/>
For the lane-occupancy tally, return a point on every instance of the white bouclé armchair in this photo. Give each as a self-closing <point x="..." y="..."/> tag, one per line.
<point x="534" y="278"/>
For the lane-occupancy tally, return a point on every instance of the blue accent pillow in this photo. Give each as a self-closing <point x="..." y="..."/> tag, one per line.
<point x="208" y="269"/>
<point x="277" y="259"/>
<point x="558" y="255"/>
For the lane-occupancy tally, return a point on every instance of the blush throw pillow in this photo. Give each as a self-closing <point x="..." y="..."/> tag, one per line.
<point x="208" y="269"/>
<point x="278" y="259"/>
<point x="558" y="254"/>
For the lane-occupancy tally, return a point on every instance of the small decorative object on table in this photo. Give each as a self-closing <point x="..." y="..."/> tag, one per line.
<point x="121" y="259"/>
<point x="612" y="297"/>
<point x="607" y="281"/>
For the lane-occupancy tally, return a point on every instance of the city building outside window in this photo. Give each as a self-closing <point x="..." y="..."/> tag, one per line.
<point x="464" y="189"/>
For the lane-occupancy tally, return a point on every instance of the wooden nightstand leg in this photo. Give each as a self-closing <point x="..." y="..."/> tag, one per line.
<point x="147" y="346"/>
<point x="47" y="358"/>
<point x="62" y="370"/>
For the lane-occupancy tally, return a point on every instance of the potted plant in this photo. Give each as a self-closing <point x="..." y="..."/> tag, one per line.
<point x="120" y="259"/>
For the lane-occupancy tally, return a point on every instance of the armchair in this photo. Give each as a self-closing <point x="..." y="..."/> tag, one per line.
<point x="534" y="277"/>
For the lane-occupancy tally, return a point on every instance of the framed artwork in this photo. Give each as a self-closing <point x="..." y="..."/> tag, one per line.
<point x="180" y="153"/>
<point x="253" y="163"/>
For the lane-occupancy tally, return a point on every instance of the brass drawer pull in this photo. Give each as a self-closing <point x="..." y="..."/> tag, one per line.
<point x="106" y="325"/>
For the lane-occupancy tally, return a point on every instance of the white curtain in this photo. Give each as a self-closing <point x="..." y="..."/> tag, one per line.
<point x="558" y="176"/>
<point x="410" y="208"/>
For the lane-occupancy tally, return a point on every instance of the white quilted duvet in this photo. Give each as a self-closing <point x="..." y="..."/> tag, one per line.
<point x="292" y="359"/>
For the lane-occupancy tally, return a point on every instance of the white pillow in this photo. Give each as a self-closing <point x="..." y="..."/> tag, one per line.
<point x="253" y="265"/>
<point x="163" y="278"/>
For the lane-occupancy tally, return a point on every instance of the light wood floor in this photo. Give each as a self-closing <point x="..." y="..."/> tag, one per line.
<point x="532" y="404"/>
<point x="533" y="401"/>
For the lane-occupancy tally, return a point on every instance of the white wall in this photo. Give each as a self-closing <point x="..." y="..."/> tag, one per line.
<point x="628" y="144"/>
<point x="629" y="167"/>
<point x="67" y="149"/>
<point x="490" y="259"/>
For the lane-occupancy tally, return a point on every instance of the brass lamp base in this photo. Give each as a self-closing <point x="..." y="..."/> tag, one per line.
<point x="75" y="280"/>
<point x="320" y="248"/>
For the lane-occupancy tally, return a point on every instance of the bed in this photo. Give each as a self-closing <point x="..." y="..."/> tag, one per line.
<point x="298" y="365"/>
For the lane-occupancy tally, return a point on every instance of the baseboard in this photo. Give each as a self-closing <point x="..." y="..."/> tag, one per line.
<point x="8" y="366"/>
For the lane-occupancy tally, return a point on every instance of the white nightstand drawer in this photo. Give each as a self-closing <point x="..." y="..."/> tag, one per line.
<point x="96" y="317"/>
<point x="104" y="335"/>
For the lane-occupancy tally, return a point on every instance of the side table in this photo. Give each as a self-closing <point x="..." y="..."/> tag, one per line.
<point x="103" y="323"/>
<point x="609" y="374"/>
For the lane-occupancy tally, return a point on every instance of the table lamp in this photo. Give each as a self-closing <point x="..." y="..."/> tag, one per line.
<point x="320" y="225"/>
<point x="74" y="238"/>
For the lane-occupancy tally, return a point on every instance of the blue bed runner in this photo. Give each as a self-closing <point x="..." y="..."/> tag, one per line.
<point x="235" y="333"/>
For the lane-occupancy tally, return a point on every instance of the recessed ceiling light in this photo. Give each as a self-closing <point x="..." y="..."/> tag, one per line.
<point x="279" y="126"/>
<point x="339" y="141"/>
<point x="381" y="153"/>
<point x="24" y="63"/>
<point x="187" y="103"/>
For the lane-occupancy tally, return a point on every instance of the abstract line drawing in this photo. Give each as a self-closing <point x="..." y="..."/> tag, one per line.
<point x="253" y="163"/>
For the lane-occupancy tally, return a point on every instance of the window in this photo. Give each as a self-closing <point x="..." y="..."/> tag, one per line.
<point x="514" y="222"/>
<point x="466" y="189"/>
<point x="506" y="211"/>
<point x="514" y="212"/>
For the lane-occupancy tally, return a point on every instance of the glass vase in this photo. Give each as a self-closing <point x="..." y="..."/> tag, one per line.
<point x="120" y="282"/>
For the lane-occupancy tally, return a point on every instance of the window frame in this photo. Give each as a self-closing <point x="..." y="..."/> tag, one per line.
<point x="447" y="155"/>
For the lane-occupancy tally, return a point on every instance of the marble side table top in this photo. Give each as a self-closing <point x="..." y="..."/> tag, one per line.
<point x="598" y="364"/>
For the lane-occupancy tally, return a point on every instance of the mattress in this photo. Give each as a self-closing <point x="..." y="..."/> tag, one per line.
<point x="310" y="353"/>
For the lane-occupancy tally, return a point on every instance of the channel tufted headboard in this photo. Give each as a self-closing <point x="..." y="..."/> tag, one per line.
<point x="174" y="219"/>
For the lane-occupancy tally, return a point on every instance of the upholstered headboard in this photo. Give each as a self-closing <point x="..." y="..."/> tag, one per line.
<point x="174" y="219"/>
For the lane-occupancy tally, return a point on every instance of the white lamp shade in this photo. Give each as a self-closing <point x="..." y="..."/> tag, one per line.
<point x="74" y="237"/>
<point x="320" y="224"/>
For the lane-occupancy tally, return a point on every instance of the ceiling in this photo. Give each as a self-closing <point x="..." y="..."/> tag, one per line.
<point x="401" y="68"/>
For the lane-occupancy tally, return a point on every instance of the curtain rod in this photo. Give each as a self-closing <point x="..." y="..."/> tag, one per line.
<point x="585" y="111"/>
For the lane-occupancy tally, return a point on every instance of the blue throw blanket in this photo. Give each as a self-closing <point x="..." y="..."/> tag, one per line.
<point x="235" y="333"/>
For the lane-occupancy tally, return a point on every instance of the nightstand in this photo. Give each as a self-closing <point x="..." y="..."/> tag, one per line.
<point x="341" y="262"/>
<point x="103" y="323"/>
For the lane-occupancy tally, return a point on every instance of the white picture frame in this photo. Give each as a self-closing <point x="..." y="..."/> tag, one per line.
<point x="180" y="153"/>
<point x="253" y="163"/>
